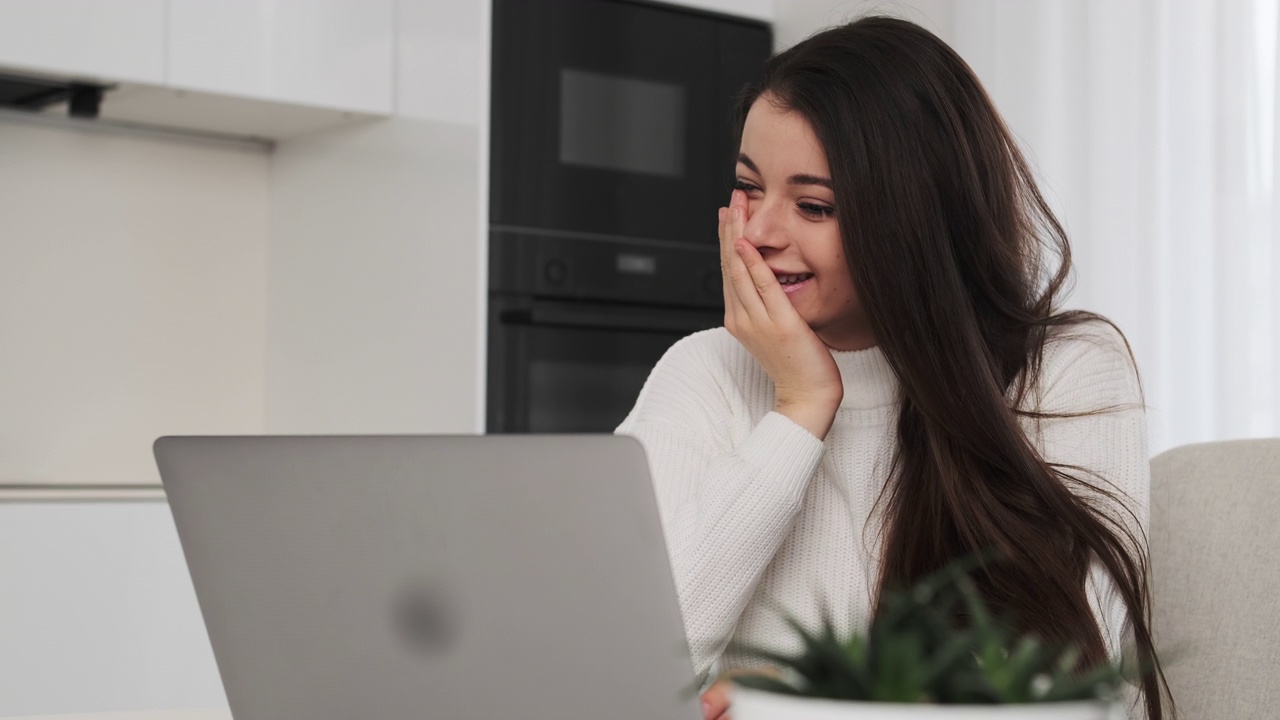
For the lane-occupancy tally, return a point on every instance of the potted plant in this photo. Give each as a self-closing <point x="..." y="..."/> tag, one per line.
<point x="918" y="661"/>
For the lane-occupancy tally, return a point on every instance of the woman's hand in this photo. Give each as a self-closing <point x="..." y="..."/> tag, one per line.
<point x="760" y="315"/>
<point x="715" y="701"/>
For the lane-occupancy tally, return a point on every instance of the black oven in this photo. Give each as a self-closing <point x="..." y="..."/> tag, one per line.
<point x="610" y="150"/>
<point x="576" y="324"/>
<point x="575" y="367"/>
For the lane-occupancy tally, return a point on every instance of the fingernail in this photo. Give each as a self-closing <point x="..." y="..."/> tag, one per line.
<point x="706" y="708"/>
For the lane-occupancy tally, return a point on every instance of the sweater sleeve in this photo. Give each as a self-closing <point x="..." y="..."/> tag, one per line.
<point x="726" y="507"/>
<point x="1090" y="371"/>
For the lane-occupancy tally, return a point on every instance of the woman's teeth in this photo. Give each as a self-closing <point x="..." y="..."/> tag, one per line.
<point x="793" y="279"/>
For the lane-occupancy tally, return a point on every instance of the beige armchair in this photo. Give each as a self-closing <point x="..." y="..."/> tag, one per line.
<point x="1215" y="560"/>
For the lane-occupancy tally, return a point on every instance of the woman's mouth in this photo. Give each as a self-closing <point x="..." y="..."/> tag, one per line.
<point x="794" y="283"/>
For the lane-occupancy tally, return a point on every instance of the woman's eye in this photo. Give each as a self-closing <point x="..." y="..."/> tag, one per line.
<point x="816" y="211"/>
<point x="810" y="210"/>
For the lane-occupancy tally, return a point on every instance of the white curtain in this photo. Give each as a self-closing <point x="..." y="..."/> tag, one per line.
<point x="1153" y="125"/>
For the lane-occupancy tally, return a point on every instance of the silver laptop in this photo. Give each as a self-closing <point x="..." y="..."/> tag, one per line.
<point x="434" y="577"/>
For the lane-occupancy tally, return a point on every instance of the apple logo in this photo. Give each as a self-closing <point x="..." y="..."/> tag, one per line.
<point x="425" y="617"/>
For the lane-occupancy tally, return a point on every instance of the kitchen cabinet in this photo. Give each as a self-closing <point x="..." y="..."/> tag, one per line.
<point x="116" y="40"/>
<point x="327" y="53"/>
<point x="97" y="612"/>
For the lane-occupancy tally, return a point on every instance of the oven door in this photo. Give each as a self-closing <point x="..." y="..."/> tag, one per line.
<point x="575" y="367"/>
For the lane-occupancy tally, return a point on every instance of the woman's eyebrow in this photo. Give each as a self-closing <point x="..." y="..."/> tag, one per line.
<point x="793" y="180"/>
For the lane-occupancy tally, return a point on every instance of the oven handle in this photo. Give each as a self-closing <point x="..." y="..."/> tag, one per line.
<point x="615" y="318"/>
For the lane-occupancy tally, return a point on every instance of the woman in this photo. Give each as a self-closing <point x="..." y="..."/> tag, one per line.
<point x="895" y="385"/>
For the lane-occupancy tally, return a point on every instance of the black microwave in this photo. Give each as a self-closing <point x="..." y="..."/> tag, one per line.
<point x="611" y="118"/>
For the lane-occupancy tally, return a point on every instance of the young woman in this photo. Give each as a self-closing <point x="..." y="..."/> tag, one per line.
<point x="895" y="384"/>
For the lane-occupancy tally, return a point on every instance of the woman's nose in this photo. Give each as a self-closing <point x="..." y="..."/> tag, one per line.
<point x="762" y="228"/>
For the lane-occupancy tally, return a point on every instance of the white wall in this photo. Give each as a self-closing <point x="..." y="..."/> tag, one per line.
<point x="378" y="253"/>
<point x="132" y="300"/>
<point x="374" y="273"/>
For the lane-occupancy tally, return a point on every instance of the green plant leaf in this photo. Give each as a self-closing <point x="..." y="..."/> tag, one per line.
<point x="933" y="642"/>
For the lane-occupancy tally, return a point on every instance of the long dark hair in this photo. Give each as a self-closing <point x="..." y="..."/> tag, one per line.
<point x="960" y="265"/>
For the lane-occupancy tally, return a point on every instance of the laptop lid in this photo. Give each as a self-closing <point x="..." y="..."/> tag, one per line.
<point x="431" y="576"/>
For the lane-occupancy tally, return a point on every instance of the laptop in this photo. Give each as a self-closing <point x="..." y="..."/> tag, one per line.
<point x="441" y="577"/>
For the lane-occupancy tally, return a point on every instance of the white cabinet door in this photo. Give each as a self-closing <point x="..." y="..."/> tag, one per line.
<point x="329" y="53"/>
<point x="97" y="612"/>
<point x="88" y="39"/>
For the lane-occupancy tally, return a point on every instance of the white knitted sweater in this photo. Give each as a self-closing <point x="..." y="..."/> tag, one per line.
<point x="756" y="509"/>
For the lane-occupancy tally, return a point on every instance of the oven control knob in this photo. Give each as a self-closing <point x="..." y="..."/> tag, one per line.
<point x="555" y="272"/>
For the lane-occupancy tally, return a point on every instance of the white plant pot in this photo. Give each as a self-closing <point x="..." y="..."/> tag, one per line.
<point x="747" y="704"/>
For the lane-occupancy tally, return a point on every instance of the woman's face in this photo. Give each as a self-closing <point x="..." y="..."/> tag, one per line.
<point x="791" y="221"/>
